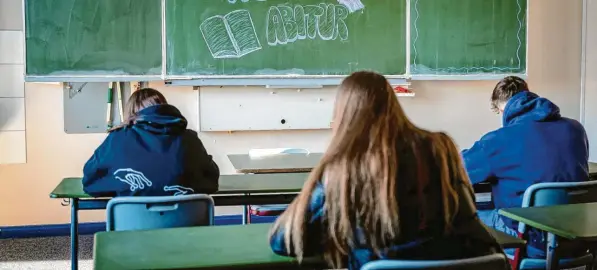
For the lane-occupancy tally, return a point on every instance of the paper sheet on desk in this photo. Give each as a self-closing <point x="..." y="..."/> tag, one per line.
<point x="261" y="153"/>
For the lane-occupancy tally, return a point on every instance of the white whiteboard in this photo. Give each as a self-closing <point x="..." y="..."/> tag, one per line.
<point x="258" y="108"/>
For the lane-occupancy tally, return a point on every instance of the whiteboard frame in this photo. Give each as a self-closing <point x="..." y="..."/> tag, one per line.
<point x="265" y="80"/>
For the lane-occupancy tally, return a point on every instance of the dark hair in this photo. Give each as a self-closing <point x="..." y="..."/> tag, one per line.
<point x="505" y="89"/>
<point x="140" y="100"/>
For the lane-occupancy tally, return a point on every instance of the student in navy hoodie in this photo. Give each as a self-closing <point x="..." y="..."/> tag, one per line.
<point x="384" y="189"/>
<point x="535" y="145"/>
<point x="151" y="154"/>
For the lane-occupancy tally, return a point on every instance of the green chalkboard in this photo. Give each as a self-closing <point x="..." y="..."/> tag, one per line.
<point x="93" y="37"/>
<point x="281" y="37"/>
<point x="468" y="36"/>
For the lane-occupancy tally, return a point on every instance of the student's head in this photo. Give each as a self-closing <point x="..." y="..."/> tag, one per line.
<point x="506" y="89"/>
<point x="142" y="99"/>
<point x="373" y="142"/>
<point x="366" y="101"/>
<point x="138" y="101"/>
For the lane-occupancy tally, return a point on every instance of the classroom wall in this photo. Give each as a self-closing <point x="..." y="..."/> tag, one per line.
<point x="459" y="107"/>
<point x="590" y="80"/>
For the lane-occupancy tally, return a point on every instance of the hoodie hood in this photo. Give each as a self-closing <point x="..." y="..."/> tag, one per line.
<point x="528" y="106"/>
<point x="161" y="119"/>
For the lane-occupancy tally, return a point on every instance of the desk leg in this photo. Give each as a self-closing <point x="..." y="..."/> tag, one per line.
<point x="245" y="207"/>
<point x="74" y="234"/>
<point x="552" y="256"/>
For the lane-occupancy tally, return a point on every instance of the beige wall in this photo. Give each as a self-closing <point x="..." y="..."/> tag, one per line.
<point x="460" y="108"/>
<point x="590" y="101"/>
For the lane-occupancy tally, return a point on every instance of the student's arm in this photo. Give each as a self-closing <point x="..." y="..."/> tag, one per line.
<point x="313" y="243"/>
<point x="203" y="173"/>
<point x="476" y="162"/>
<point x="467" y="224"/>
<point x="95" y="171"/>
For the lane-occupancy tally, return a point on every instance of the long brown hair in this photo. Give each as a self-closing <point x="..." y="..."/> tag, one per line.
<point x="360" y="168"/>
<point x="140" y="100"/>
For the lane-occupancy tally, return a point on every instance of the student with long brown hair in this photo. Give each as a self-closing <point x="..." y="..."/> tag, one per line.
<point x="152" y="153"/>
<point x="384" y="189"/>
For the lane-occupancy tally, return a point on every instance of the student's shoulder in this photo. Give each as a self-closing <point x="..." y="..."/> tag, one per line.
<point x="119" y="132"/>
<point x="190" y="136"/>
<point x="573" y="124"/>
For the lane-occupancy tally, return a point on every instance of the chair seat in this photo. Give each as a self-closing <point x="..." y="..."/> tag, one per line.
<point x="268" y="210"/>
<point x="572" y="263"/>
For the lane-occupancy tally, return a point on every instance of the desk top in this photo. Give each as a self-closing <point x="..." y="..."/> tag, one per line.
<point x="222" y="247"/>
<point x="243" y="163"/>
<point x="72" y="187"/>
<point x="188" y="248"/>
<point x="572" y="221"/>
<point x="229" y="184"/>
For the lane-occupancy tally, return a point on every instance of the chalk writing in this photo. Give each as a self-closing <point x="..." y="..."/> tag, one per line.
<point x="352" y="5"/>
<point x="286" y="24"/>
<point x="244" y="1"/>
<point x="230" y="36"/>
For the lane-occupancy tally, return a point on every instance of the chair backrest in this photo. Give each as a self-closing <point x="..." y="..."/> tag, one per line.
<point x="139" y="213"/>
<point x="546" y="194"/>
<point x="489" y="262"/>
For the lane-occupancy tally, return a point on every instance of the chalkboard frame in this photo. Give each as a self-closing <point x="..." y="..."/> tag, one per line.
<point x="270" y="81"/>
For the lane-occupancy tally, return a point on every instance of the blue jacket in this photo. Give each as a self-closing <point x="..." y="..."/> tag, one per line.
<point x="156" y="156"/>
<point x="421" y="224"/>
<point x="536" y="144"/>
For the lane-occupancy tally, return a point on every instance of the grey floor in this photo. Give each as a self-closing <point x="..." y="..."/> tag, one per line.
<point x="44" y="253"/>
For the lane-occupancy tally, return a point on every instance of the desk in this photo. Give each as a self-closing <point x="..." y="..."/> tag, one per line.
<point x="233" y="190"/>
<point x="243" y="163"/>
<point x="238" y="189"/>
<point x="216" y="247"/>
<point x="570" y="221"/>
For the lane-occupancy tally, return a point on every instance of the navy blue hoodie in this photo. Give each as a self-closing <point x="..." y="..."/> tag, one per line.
<point x="156" y="156"/>
<point x="535" y="145"/>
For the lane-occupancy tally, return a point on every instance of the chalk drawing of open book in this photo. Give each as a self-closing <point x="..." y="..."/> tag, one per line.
<point x="230" y="36"/>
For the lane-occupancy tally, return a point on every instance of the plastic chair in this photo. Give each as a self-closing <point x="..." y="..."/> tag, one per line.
<point x="489" y="262"/>
<point x="139" y="213"/>
<point x="546" y="194"/>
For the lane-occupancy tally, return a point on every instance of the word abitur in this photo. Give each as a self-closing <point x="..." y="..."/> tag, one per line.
<point x="286" y="24"/>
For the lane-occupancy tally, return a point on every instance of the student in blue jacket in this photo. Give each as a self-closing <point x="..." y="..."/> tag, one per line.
<point x="535" y="145"/>
<point x="384" y="189"/>
<point x="151" y="154"/>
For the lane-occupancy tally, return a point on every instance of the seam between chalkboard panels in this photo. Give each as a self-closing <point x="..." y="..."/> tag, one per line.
<point x="467" y="69"/>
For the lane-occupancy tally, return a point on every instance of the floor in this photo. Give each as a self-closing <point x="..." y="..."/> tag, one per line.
<point x="46" y="253"/>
